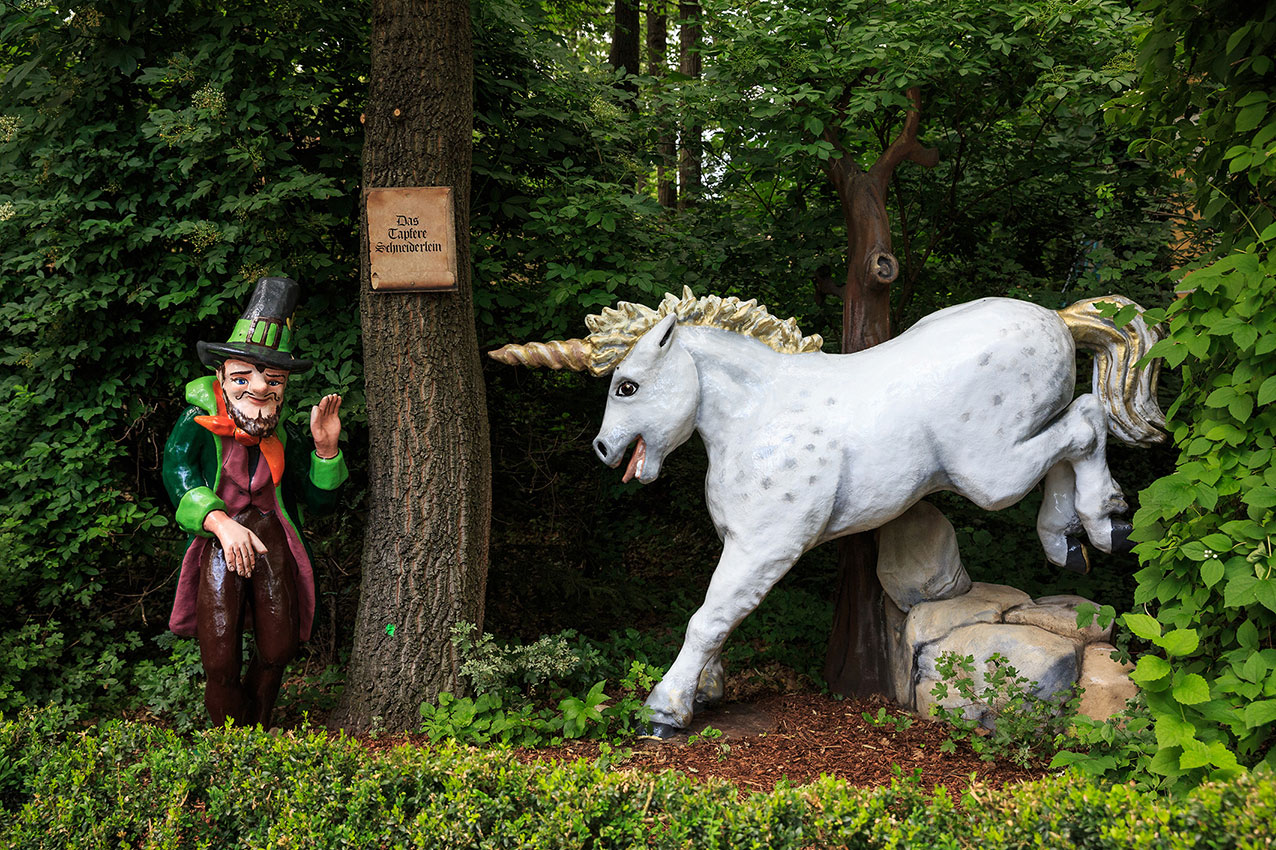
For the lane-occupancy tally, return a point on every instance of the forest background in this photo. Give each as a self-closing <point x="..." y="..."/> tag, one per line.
<point x="157" y="158"/>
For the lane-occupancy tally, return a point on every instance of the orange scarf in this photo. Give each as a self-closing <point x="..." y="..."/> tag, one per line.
<point x="223" y="426"/>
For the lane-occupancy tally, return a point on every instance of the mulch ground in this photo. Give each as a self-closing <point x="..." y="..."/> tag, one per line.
<point x="809" y="735"/>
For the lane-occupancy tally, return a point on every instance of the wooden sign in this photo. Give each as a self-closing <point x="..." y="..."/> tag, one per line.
<point x="412" y="239"/>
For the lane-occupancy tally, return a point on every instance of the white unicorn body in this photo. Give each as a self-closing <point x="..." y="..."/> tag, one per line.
<point x="807" y="447"/>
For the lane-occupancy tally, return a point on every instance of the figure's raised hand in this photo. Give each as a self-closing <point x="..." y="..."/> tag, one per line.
<point x="325" y="425"/>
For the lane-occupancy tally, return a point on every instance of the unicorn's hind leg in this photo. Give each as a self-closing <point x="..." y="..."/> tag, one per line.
<point x="1058" y="524"/>
<point x="1078" y="436"/>
<point x="1100" y="502"/>
<point x="739" y="583"/>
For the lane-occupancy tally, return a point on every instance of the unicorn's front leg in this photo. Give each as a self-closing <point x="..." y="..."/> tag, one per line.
<point x="739" y="583"/>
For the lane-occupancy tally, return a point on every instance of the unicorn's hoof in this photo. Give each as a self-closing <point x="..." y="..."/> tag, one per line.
<point x="660" y="732"/>
<point x="1121" y="536"/>
<point x="1078" y="559"/>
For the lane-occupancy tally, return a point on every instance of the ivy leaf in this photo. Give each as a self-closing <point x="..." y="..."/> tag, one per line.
<point x="1211" y="572"/>
<point x="1151" y="668"/>
<point x="1142" y="625"/>
<point x="1191" y="689"/>
<point x="1260" y="713"/>
<point x="1179" y="642"/>
<point x="1265" y="592"/>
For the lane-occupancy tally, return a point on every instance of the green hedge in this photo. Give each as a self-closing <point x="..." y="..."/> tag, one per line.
<point x="126" y="784"/>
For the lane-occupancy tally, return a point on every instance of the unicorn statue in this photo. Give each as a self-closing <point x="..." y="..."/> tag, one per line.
<point x="806" y="446"/>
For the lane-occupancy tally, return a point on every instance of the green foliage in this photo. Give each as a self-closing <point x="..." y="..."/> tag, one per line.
<point x="1206" y="530"/>
<point x="1120" y="748"/>
<point x="172" y="689"/>
<point x="1012" y="100"/>
<point x="1021" y="726"/>
<point x="898" y="721"/>
<point x="155" y="159"/>
<point x="128" y="784"/>
<point x="515" y="686"/>
<point x="1205" y="103"/>
<point x="1205" y="604"/>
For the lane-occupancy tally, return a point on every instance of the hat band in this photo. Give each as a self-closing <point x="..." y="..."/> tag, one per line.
<point x="263" y="331"/>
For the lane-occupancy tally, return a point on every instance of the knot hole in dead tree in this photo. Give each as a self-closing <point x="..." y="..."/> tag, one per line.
<point x="883" y="268"/>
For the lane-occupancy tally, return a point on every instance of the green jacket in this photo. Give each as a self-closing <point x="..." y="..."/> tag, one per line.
<point x="192" y="476"/>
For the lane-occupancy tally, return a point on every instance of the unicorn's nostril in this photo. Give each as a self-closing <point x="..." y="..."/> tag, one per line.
<point x="602" y="450"/>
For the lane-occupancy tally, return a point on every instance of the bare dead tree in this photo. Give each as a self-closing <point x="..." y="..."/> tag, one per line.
<point x="856" y="662"/>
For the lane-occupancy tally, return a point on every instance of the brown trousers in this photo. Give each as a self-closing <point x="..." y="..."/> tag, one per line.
<point x="224" y="599"/>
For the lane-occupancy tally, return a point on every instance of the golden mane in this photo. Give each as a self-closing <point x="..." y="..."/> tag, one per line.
<point x="613" y="333"/>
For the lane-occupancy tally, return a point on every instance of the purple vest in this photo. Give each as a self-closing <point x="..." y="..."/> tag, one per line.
<point x="239" y="489"/>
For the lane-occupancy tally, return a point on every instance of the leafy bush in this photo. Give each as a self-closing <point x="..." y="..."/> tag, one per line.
<point x="127" y="784"/>
<point x="1009" y="719"/>
<point x="1209" y="571"/>
<point x="513" y="683"/>
<point x="172" y="689"/>
<point x="155" y="160"/>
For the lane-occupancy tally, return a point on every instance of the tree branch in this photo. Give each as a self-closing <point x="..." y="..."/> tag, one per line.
<point x="905" y="146"/>
<point x="825" y="286"/>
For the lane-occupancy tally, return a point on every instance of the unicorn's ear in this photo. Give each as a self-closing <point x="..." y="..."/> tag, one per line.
<point x="664" y="330"/>
<point x="653" y="345"/>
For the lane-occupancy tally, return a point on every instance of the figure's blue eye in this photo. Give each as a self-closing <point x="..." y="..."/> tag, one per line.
<point x="239" y="381"/>
<point x="626" y="388"/>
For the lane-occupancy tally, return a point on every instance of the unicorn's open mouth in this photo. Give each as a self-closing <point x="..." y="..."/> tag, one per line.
<point x="637" y="462"/>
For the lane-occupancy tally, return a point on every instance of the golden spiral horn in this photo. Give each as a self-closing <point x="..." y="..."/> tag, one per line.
<point x="570" y="354"/>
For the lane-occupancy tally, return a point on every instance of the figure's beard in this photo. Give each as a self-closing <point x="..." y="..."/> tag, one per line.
<point x="254" y="426"/>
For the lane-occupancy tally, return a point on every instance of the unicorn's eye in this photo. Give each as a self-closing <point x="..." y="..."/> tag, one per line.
<point x="626" y="388"/>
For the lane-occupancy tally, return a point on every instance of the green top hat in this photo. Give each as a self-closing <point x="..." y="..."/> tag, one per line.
<point x="264" y="333"/>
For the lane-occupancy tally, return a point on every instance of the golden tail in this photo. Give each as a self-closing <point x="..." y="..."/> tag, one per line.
<point x="1128" y="394"/>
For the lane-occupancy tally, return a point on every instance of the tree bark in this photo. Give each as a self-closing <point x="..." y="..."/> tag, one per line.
<point x="624" y="40"/>
<point x="689" y="153"/>
<point x="666" y="146"/>
<point x="429" y="489"/>
<point x="856" y="662"/>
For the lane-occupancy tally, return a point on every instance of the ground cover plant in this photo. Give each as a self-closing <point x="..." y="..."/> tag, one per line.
<point x="127" y="784"/>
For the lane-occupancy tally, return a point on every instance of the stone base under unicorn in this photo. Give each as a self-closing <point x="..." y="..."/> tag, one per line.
<point x="806" y="446"/>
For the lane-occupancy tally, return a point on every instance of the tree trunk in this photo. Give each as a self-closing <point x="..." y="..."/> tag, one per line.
<point x="624" y="40"/>
<point x="856" y="663"/>
<point x="429" y="488"/>
<point x="666" y="146"/>
<point x="689" y="155"/>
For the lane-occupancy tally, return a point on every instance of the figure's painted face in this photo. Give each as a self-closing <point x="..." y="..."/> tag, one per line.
<point x="254" y="393"/>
